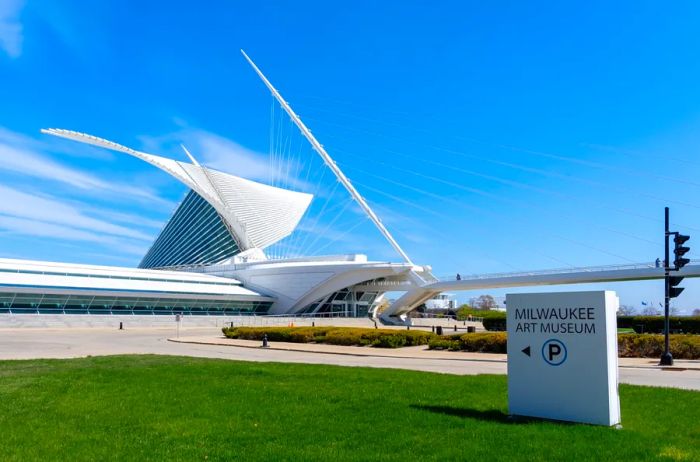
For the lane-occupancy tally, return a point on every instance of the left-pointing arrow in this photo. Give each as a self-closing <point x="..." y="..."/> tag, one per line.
<point x="526" y="350"/>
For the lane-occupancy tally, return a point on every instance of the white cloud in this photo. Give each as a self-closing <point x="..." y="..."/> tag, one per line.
<point x="126" y="218"/>
<point x="20" y="154"/>
<point x="33" y="213"/>
<point x="19" y="204"/>
<point x="220" y="153"/>
<point x="11" y="35"/>
<point x="29" y="227"/>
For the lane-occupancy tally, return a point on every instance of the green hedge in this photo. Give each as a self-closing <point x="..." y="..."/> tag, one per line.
<point x="655" y="324"/>
<point x="651" y="346"/>
<point x="482" y="342"/>
<point x="496" y="321"/>
<point x="380" y="338"/>
<point x="629" y="345"/>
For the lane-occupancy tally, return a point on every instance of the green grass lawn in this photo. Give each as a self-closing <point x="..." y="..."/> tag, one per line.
<point x="174" y="408"/>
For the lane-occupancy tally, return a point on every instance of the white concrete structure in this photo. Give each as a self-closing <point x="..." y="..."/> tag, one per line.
<point x="221" y="229"/>
<point x="257" y="214"/>
<point x="636" y="272"/>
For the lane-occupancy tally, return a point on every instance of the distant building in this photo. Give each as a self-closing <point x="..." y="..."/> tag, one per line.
<point x="441" y="303"/>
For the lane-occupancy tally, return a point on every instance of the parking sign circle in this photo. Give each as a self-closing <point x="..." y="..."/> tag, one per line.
<point x="554" y="352"/>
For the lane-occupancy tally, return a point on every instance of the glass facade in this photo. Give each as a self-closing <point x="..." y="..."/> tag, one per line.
<point x="345" y="302"/>
<point x="194" y="235"/>
<point x="22" y="303"/>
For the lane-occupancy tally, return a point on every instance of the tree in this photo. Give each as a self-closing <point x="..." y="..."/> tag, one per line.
<point x="696" y="312"/>
<point x="485" y="302"/>
<point x="626" y="310"/>
<point x="651" y="311"/>
<point x="463" y="312"/>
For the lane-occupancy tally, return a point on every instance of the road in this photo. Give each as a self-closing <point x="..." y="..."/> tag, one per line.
<point x="72" y="343"/>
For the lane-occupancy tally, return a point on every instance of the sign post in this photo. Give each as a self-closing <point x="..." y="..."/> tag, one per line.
<point x="562" y="356"/>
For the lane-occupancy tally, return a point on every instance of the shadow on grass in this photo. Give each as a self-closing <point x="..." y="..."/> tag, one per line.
<point x="489" y="415"/>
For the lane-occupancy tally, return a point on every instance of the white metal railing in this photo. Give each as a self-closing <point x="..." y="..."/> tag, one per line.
<point x="254" y="320"/>
<point x="450" y="317"/>
<point x="583" y="269"/>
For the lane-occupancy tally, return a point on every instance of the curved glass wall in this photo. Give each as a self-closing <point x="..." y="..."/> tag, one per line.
<point x="195" y="235"/>
<point x="344" y="303"/>
<point x="24" y="303"/>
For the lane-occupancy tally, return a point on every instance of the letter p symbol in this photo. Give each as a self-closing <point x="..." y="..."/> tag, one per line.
<point x="554" y="352"/>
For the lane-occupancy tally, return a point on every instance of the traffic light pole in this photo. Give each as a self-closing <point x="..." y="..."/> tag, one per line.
<point x="666" y="357"/>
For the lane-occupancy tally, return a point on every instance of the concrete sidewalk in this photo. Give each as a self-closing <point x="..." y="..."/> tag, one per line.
<point x="16" y="344"/>
<point x="415" y="352"/>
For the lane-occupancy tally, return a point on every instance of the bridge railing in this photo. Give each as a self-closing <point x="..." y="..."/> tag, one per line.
<point x="581" y="269"/>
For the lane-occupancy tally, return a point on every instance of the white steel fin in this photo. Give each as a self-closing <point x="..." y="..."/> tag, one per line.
<point x="194" y="161"/>
<point x="257" y="214"/>
<point x="329" y="162"/>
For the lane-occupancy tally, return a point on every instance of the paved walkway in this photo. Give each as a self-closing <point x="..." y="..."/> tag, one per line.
<point x="417" y="352"/>
<point x="72" y="343"/>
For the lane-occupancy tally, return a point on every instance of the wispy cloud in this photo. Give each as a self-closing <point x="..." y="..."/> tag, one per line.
<point x="11" y="35"/>
<point x="19" y="204"/>
<point x="21" y="154"/>
<point x="38" y="228"/>
<point x="33" y="213"/>
<point x="228" y="156"/>
<point x="126" y="218"/>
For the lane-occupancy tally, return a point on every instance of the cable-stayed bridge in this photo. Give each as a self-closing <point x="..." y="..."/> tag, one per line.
<point x="581" y="275"/>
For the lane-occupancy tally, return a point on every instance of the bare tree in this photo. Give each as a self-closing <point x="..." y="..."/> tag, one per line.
<point x="485" y="302"/>
<point x="626" y="310"/>
<point x="651" y="311"/>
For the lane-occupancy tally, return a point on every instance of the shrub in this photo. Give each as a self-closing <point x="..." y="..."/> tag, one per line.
<point x="390" y="341"/>
<point x="630" y="345"/>
<point x="655" y="324"/>
<point x="417" y="337"/>
<point x="382" y="338"/>
<point x="276" y="334"/>
<point x="482" y="342"/>
<point x="495" y="323"/>
<point x="351" y="337"/>
<point x="439" y="343"/>
<point x="651" y="346"/>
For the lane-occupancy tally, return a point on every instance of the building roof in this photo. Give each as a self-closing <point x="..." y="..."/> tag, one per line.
<point x="58" y="277"/>
<point x="257" y="215"/>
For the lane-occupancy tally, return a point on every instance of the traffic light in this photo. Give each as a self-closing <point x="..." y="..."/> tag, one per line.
<point x="674" y="291"/>
<point x="680" y="250"/>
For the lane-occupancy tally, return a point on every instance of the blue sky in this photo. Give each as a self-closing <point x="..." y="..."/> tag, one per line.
<point x="490" y="136"/>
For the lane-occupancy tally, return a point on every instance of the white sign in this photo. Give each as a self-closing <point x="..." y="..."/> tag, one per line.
<point x="562" y="356"/>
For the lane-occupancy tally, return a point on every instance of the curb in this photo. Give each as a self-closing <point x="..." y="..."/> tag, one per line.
<point x="676" y="368"/>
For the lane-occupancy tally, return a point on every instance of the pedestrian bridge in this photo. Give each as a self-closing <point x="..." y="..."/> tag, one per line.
<point x="581" y="275"/>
